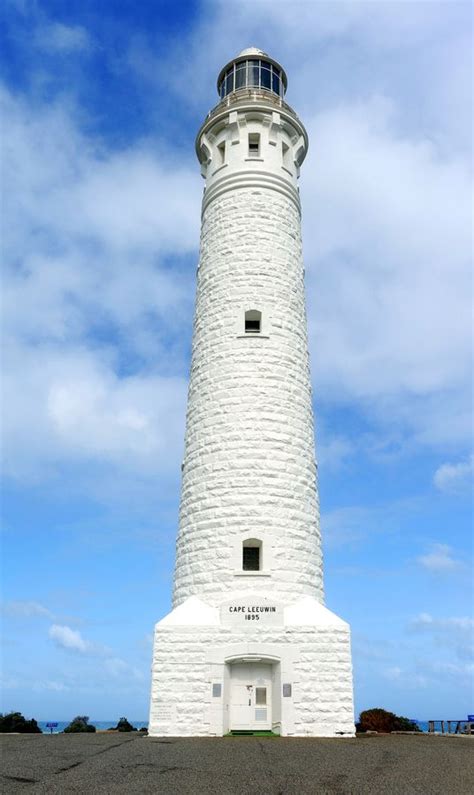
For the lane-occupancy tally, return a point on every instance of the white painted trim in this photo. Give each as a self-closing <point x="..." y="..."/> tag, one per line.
<point x="252" y="574"/>
<point x="220" y="168"/>
<point x="258" y="336"/>
<point x="251" y="179"/>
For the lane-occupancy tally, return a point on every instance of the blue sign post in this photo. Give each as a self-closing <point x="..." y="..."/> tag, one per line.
<point x="51" y="726"/>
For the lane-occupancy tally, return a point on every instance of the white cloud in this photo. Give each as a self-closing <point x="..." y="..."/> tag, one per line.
<point x="69" y="405"/>
<point x="118" y="668"/>
<point x="453" y="634"/>
<point x="440" y="559"/>
<point x="354" y="523"/>
<point x="57" y="37"/>
<point x="86" y="258"/>
<point x="24" y="683"/>
<point x="427" y="622"/>
<point x="139" y="201"/>
<point x="53" y="686"/>
<point x="393" y="673"/>
<point x="404" y="677"/>
<point x="333" y="451"/>
<point x="391" y="306"/>
<point x="456" y="670"/>
<point x="70" y="639"/>
<point x="110" y="665"/>
<point x="343" y="526"/>
<point x="26" y="609"/>
<point x="454" y="478"/>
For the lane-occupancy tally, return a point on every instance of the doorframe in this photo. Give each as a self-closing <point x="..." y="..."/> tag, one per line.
<point x="219" y="659"/>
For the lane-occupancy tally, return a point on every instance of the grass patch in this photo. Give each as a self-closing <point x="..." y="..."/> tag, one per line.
<point x="248" y="733"/>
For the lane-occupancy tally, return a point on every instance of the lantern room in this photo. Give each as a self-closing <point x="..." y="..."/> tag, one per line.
<point x="252" y="69"/>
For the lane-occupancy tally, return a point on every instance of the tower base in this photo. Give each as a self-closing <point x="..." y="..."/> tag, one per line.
<point x="251" y="665"/>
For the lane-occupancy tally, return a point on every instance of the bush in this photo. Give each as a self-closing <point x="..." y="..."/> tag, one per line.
<point x="15" y="722"/>
<point x="379" y="720"/>
<point x="123" y="726"/>
<point x="80" y="724"/>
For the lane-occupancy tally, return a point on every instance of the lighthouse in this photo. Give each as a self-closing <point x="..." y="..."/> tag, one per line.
<point x="249" y="644"/>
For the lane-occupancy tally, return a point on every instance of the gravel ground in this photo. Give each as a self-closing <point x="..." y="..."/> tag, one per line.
<point x="130" y="763"/>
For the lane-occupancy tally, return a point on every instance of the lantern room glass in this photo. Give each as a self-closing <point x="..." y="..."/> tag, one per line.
<point x="253" y="73"/>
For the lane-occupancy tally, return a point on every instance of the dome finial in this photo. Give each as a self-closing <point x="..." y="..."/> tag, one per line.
<point x="252" y="51"/>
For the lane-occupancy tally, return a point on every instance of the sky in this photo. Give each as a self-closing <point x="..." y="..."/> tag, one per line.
<point x="101" y="213"/>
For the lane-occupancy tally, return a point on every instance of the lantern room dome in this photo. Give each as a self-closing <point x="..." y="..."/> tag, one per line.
<point x="252" y="51"/>
<point x="252" y="69"/>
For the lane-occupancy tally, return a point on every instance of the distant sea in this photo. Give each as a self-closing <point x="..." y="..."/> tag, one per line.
<point x="99" y="724"/>
<point x="140" y="724"/>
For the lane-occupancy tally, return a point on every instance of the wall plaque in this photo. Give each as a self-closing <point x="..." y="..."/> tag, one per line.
<point x="164" y="713"/>
<point x="252" y="611"/>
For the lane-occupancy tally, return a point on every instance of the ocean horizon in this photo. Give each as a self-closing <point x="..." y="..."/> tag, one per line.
<point x="138" y="724"/>
<point x="99" y="724"/>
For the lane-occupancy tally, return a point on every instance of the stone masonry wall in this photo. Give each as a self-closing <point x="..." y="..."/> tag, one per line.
<point x="249" y="464"/>
<point x="322" y="690"/>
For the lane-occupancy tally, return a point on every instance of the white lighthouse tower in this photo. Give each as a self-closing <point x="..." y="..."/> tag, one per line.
<point x="249" y="644"/>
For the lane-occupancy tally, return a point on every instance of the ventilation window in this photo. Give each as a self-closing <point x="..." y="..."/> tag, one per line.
<point x="253" y="321"/>
<point x="251" y="555"/>
<point x="221" y="153"/>
<point x="254" y="144"/>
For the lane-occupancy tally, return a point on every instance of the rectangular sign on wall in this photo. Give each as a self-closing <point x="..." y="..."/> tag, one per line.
<point x="164" y="715"/>
<point x="252" y="611"/>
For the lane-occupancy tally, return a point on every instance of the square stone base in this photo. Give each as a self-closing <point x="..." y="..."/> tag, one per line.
<point x="198" y="656"/>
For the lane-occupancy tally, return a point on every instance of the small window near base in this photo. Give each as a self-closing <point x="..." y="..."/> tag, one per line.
<point x="216" y="690"/>
<point x="251" y="555"/>
<point x="253" y="321"/>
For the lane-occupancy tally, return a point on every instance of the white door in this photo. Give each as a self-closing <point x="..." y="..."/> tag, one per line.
<point x="251" y="692"/>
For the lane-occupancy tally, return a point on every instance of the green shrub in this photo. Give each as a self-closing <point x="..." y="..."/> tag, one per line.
<point x="15" y="722"/>
<point x="123" y="726"/>
<point x="379" y="720"/>
<point x="80" y="724"/>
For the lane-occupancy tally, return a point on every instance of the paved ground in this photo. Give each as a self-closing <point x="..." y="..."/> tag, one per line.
<point x="129" y="763"/>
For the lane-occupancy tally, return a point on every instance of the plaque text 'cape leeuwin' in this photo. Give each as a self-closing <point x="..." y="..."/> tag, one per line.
<point x="252" y="612"/>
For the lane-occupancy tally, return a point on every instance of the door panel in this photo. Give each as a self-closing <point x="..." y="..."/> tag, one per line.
<point x="250" y="706"/>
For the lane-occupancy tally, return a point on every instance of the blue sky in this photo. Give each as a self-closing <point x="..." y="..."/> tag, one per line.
<point x="101" y="103"/>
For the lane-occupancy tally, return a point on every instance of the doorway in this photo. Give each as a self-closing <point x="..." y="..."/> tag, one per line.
<point x="251" y="696"/>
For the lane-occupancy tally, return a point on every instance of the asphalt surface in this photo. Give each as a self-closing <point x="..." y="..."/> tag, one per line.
<point x="130" y="763"/>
